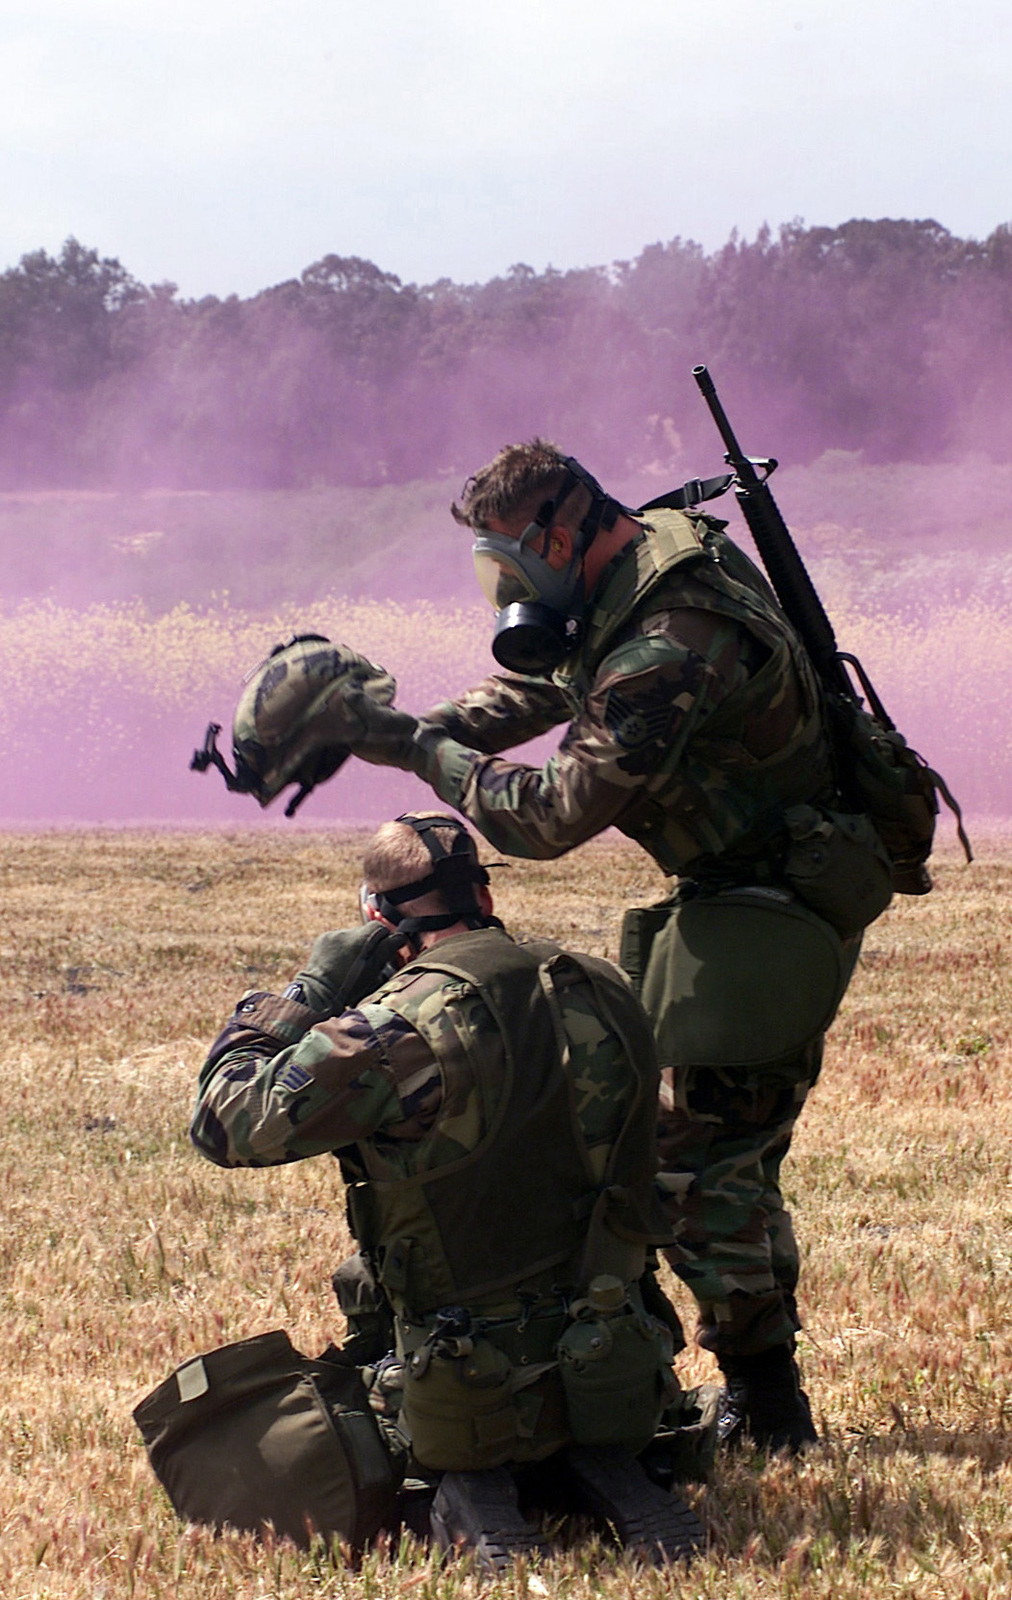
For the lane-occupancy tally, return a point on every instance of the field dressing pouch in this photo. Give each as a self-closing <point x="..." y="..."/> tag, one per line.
<point x="615" y="1363"/>
<point x="741" y="978"/>
<point x="640" y="927"/>
<point x="367" y="1313"/>
<point x="255" y="1435"/>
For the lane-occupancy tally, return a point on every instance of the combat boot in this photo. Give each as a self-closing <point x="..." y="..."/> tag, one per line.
<point x="479" y="1511"/>
<point x="650" y="1523"/>
<point x="763" y="1401"/>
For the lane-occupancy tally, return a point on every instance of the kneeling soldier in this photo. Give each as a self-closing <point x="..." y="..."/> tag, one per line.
<point x="493" y="1106"/>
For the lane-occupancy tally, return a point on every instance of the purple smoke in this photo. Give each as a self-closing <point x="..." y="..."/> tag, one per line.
<point x="297" y="450"/>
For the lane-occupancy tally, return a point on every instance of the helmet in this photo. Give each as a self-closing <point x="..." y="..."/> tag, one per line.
<point x="291" y="724"/>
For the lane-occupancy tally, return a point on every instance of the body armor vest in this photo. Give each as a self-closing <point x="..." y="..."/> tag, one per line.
<point x="711" y="808"/>
<point x="525" y="1201"/>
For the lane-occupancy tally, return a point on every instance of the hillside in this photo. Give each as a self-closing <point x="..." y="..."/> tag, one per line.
<point x="897" y="538"/>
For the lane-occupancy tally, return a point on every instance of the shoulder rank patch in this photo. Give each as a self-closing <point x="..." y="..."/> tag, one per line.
<point x="636" y="722"/>
<point x="293" y="1077"/>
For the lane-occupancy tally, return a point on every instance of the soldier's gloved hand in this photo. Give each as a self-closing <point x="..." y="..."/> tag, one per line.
<point x="385" y="736"/>
<point x="345" y="966"/>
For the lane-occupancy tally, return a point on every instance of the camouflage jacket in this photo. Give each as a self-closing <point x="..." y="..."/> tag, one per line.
<point x="694" y="718"/>
<point x="282" y="1082"/>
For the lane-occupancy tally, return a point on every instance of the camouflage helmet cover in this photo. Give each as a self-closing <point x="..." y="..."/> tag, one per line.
<point x="292" y="724"/>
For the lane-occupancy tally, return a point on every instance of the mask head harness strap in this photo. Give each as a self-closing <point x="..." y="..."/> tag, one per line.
<point x="455" y="873"/>
<point x="602" y="513"/>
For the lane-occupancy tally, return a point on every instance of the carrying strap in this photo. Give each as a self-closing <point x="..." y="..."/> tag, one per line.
<point x="692" y="493"/>
<point x="954" y="806"/>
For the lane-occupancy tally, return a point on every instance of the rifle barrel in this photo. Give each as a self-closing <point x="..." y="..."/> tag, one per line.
<point x="735" y="455"/>
<point x="787" y="572"/>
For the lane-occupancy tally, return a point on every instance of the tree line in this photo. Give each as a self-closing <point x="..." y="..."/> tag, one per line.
<point x="889" y="337"/>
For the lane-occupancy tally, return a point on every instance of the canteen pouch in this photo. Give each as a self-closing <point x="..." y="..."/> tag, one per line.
<point x="471" y="1411"/>
<point x="742" y="978"/>
<point x="616" y="1375"/>
<point x="838" y="865"/>
<point x="256" y="1435"/>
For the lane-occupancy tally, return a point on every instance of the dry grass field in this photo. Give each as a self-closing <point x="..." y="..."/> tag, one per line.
<point x="123" y="1253"/>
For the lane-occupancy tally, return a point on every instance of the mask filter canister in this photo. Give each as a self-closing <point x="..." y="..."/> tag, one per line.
<point x="531" y="638"/>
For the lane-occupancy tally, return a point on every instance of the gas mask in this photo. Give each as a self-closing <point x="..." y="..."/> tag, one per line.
<point x="540" y="610"/>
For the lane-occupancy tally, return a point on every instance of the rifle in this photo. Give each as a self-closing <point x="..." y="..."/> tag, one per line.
<point x="787" y="572"/>
<point x="855" y="743"/>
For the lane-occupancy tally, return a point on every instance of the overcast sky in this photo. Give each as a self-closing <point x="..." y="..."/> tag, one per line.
<point x="225" y="146"/>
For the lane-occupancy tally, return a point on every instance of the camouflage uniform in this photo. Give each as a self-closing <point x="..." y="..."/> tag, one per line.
<point x="434" y="1095"/>
<point x="281" y="1082"/>
<point x="694" y="723"/>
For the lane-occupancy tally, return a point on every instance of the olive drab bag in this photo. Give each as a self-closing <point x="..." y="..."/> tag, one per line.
<point x="255" y="1435"/>
<point x="893" y="784"/>
<point x="740" y="978"/>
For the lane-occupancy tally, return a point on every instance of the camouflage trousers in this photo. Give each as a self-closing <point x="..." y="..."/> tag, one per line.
<point x="723" y="1133"/>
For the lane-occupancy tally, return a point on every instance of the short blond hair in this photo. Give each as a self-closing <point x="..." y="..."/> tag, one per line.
<point x="396" y="855"/>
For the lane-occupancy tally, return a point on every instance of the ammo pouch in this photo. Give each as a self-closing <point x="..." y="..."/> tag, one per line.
<point x="256" y="1434"/>
<point x="744" y="977"/>
<point x="615" y="1364"/>
<point x="467" y="1407"/>
<point x="838" y="865"/>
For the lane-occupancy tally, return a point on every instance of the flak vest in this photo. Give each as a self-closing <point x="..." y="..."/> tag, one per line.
<point x="723" y="827"/>
<point x="525" y="1201"/>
